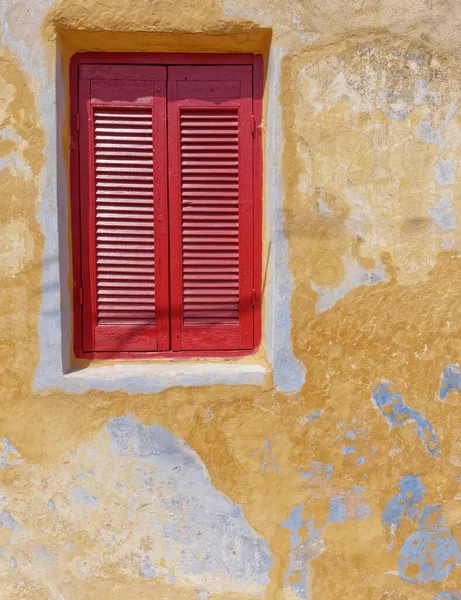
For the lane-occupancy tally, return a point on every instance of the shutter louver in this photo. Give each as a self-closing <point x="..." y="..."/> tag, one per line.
<point x="210" y="220"/>
<point x="125" y="272"/>
<point x="123" y="207"/>
<point x="211" y="207"/>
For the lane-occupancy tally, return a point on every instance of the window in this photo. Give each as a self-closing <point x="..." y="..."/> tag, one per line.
<point x="166" y="205"/>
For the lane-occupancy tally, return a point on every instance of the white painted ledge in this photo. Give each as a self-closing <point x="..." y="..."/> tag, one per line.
<point x="150" y="378"/>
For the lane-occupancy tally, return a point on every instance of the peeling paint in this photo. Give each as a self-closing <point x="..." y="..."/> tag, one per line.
<point x="430" y="553"/>
<point x="443" y="214"/>
<point x="7" y="521"/>
<point x="398" y="414"/>
<point x="405" y="502"/>
<point x="355" y="276"/>
<point x="445" y="172"/>
<point x="449" y="380"/>
<point x="337" y="511"/>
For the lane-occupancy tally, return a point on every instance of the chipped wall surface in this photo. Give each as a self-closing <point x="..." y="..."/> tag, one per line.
<point x="327" y="465"/>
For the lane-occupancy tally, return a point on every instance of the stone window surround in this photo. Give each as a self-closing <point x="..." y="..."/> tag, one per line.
<point x="54" y="368"/>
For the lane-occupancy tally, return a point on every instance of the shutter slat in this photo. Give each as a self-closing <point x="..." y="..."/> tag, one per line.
<point x="115" y="280"/>
<point x="208" y="287"/>
<point x="123" y="155"/>
<point x="125" y="294"/>
<point x="210" y="274"/>
<point x="210" y="164"/>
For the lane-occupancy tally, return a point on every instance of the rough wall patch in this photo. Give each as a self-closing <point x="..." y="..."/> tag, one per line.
<point x="157" y="515"/>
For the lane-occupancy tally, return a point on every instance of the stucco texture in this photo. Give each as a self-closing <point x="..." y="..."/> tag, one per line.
<point x="346" y="488"/>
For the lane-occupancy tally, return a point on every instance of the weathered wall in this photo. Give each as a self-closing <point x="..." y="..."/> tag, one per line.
<point x="338" y="474"/>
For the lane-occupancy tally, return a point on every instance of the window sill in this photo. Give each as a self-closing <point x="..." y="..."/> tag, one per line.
<point x="151" y="378"/>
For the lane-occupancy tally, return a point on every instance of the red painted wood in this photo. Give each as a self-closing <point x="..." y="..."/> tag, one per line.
<point x="211" y="75"/>
<point x="75" y="212"/>
<point x="124" y="214"/>
<point x="161" y="58"/>
<point x="115" y="71"/>
<point x="211" y="183"/>
<point x="215" y="88"/>
<point x="258" y="170"/>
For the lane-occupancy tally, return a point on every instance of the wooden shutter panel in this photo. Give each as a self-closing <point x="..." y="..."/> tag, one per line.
<point x="123" y="208"/>
<point x="210" y="123"/>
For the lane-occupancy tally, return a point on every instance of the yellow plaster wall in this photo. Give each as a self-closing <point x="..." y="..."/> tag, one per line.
<point x="370" y="97"/>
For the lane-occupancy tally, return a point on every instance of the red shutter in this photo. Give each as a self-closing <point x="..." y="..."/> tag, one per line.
<point x="210" y="122"/>
<point x="123" y="208"/>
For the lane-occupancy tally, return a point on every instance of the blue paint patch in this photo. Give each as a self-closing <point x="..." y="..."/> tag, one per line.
<point x="430" y="553"/>
<point x="306" y="474"/>
<point x="351" y="434"/>
<point x="404" y="504"/>
<point x="398" y="414"/>
<point x="267" y="458"/>
<point x="300" y="587"/>
<point x="193" y="505"/>
<point x="337" y="510"/>
<point x="387" y="102"/>
<point x="314" y="415"/>
<point x="450" y="380"/>
<point x="447" y="596"/>
<point x="147" y="570"/>
<point x="431" y="516"/>
<point x="361" y="512"/>
<point x="293" y="523"/>
<point x="298" y="568"/>
<point x="8" y="446"/>
<point x="445" y="172"/>
<point x="443" y="214"/>
<point x="300" y="552"/>
<point x="83" y="497"/>
<point x="347" y="450"/>
<point x="9" y="456"/>
<point x="7" y="521"/>
<point x="358" y="490"/>
<point x="361" y="460"/>
<point x="322" y="469"/>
